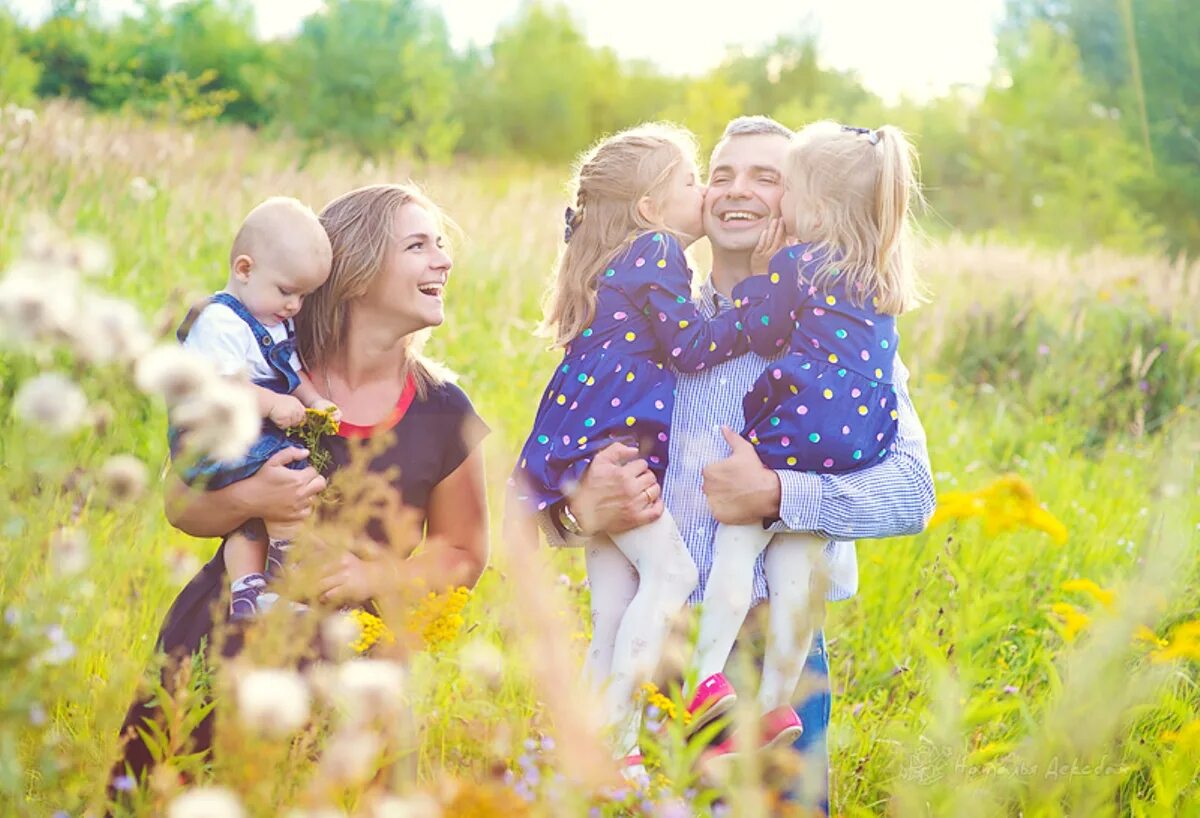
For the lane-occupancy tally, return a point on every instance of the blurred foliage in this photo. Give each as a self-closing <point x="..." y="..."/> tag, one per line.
<point x="1087" y="133"/>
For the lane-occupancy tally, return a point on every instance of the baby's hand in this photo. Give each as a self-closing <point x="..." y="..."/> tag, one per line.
<point x="323" y="405"/>
<point x="769" y="243"/>
<point x="286" y="411"/>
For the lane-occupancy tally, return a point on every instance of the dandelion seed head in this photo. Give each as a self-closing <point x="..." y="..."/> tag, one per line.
<point x="51" y="401"/>
<point x="141" y="190"/>
<point x="123" y="478"/>
<point x="367" y="688"/>
<point x="414" y="806"/>
<point x="173" y="373"/>
<point x="338" y="632"/>
<point x="30" y="311"/>
<point x="273" y="701"/>
<point x="351" y="757"/>
<point x="109" y="329"/>
<point x="70" y="552"/>
<point x="206" y="802"/>
<point x="221" y="423"/>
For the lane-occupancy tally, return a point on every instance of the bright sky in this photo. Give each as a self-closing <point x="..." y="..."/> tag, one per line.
<point x="914" y="47"/>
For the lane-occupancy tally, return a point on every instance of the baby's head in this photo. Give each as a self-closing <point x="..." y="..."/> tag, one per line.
<point x="851" y="189"/>
<point x="280" y="254"/>
<point x="641" y="179"/>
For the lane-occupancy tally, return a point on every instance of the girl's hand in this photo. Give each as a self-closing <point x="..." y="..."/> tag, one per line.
<point x="286" y="411"/>
<point x="770" y="242"/>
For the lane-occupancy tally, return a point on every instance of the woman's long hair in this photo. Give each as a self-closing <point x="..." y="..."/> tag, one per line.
<point x="611" y="178"/>
<point x="360" y="227"/>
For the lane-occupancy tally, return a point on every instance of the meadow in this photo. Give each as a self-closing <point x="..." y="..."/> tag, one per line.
<point x="1033" y="653"/>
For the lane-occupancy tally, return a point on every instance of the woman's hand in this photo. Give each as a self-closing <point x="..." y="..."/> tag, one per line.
<point x="347" y="579"/>
<point x="281" y="494"/>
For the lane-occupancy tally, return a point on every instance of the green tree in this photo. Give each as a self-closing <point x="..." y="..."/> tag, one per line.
<point x="375" y="73"/>
<point x="19" y="80"/>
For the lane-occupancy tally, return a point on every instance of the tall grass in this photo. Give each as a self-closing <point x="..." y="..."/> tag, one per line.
<point x="973" y="674"/>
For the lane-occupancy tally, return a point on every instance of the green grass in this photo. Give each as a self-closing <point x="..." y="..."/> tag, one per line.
<point x="956" y="689"/>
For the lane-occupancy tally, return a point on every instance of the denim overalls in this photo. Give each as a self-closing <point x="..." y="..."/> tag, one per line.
<point x="272" y="439"/>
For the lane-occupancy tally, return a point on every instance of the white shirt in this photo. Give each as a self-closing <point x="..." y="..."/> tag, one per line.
<point x="225" y="339"/>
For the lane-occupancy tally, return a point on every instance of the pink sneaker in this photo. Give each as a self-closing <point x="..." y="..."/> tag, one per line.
<point x="713" y="698"/>
<point x="780" y="726"/>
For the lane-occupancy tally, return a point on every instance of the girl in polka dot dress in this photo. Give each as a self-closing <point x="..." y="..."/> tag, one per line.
<point x="621" y="308"/>
<point x="829" y="404"/>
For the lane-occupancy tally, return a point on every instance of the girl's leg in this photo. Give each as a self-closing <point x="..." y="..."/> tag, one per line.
<point x="794" y="615"/>
<point x="613" y="582"/>
<point x="727" y="597"/>
<point x="666" y="578"/>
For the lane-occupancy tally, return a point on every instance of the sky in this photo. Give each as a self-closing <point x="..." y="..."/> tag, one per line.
<point x="918" y="48"/>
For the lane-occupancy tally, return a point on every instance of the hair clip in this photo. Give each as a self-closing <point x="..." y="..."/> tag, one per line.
<point x="569" y="217"/>
<point x="872" y="136"/>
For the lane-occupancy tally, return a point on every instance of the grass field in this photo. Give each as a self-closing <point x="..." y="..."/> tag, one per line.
<point x="998" y="664"/>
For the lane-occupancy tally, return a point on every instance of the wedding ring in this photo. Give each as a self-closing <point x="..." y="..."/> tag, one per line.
<point x="649" y="499"/>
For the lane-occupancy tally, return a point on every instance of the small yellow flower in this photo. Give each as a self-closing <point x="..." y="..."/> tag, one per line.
<point x="1008" y="503"/>
<point x="1145" y="634"/>
<point x="438" y="619"/>
<point x="1104" y="596"/>
<point x="1183" y="644"/>
<point x="371" y="630"/>
<point x="1072" y="619"/>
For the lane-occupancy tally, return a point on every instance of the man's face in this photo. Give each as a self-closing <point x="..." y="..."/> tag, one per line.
<point x="745" y="185"/>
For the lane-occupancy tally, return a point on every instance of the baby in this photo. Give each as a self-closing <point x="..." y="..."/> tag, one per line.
<point x="280" y="255"/>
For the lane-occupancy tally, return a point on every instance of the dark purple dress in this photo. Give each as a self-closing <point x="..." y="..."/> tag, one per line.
<point x="430" y="439"/>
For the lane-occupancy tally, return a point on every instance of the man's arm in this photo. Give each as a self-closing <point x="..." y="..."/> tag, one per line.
<point x="890" y="499"/>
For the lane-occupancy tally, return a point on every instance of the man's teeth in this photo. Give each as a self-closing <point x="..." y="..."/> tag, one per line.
<point x="739" y="215"/>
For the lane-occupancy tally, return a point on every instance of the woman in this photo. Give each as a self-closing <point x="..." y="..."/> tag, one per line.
<point x="360" y="338"/>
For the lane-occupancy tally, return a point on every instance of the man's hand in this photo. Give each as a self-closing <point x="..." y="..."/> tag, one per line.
<point x="617" y="493"/>
<point x="286" y="411"/>
<point x="740" y="489"/>
<point x="770" y="242"/>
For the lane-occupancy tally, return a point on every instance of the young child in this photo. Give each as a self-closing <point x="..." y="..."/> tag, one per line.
<point x="280" y="255"/>
<point x="621" y="308"/>
<point x="829" y="404"/>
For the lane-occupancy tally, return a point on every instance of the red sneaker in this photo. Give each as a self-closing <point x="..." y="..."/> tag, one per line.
<point x="713" y="698"/>
<point x="780" y="726"/>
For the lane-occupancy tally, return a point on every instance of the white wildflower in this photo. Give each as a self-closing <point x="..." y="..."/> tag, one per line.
<point x="173" y="373"/>
<point x="91" y="256"/>
<point x="222" y="424"/>
<point x="273" y="701"/>
<point x="141" y="190"/>
<point x="123" y="478"/>
<point x="338" y="633"/>
<point x="69" y="550"/>
<point x="414" y="806"/>
<point x="183" y="565"/>
<point x="351" y="757"/>
<point x="21" y="117"/>
<point x="31" y="311"/>
<point x="366" y="688"/>
<point x="51" y="401"/>
<point x="59" y="649"/>
<point x="483" y="661"/>
<point x="109" y="329"/>
<point x="206" y="802"/>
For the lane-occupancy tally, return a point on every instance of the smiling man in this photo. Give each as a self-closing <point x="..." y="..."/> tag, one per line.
<point x="716" y="476"/>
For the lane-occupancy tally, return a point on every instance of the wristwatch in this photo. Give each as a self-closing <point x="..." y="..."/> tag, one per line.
<point x="568" y="521"/>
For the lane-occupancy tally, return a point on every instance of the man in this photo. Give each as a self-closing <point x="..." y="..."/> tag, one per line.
<point x="716" y="476"/>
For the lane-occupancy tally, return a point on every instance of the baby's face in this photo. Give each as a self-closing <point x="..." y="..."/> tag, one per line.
<point x="276" y="288"/>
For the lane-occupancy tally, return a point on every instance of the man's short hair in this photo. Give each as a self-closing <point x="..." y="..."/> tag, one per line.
<point x="757" y="124"/>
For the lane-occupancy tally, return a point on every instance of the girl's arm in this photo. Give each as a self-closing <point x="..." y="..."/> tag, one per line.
<point x="661" y="285"/>
<point x="274" y="492"/>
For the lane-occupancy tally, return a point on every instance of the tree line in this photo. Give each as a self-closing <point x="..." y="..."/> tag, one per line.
<point x="1088" y="132"/>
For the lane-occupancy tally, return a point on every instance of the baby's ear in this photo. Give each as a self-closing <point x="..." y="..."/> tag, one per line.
<point x="242" y="267"/>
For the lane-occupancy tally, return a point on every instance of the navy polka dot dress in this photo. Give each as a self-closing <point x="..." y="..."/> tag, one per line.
<point x="616" y="383"/>
<point x="829" y="404"/>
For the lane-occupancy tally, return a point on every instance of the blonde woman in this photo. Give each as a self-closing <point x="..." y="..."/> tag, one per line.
<point x="359" y="337"/>
<point x="620" y="307"/>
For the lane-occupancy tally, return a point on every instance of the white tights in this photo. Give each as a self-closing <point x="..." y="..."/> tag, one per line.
<point x="639" y="580"/>
<point x="789" y="565"/>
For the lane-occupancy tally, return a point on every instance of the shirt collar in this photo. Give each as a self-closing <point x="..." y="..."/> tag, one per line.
<point x="711" y="300"/>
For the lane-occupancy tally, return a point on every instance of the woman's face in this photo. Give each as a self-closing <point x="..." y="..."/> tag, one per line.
<point x="411" y="284"/>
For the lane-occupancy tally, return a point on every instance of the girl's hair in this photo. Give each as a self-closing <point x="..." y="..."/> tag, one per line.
<point x="862" y="184"/>
<point x="610" y="179"/>
<point x="360" y="227"/>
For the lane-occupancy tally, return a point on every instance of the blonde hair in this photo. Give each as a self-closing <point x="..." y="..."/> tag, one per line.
<point x="862" y="184"/>
<point x="360" y="227"/>
<point x="611" y="178"/>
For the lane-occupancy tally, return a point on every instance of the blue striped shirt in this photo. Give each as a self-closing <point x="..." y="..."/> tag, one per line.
<point x="890" y="499"/>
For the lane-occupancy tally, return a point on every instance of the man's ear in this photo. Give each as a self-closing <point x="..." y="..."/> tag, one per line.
<point x="242" y="265"/>
<point x="647" y="210"/>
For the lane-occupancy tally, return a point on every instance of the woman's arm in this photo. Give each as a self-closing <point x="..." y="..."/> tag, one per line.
<point x="275" y="492"/>
<point x="456" y="536"/>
